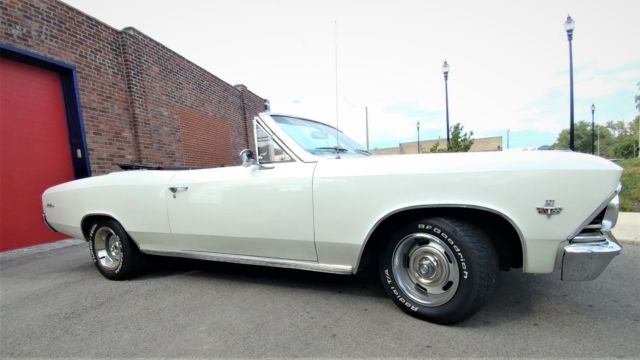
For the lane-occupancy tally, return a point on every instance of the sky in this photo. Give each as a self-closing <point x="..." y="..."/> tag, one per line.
<point x="509" y="60"/>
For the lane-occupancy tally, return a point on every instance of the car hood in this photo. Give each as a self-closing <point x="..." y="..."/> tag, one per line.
<point x="474" y="162"/>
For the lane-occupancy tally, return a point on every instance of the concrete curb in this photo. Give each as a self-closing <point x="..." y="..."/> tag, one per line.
<point x="627" y="230"/>
<point x="629" y="242"/>
<point x="11" y="254"/>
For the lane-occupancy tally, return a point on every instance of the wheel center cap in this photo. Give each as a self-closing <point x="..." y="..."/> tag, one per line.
<point x="428" y="266"/>
<point x="114" y="248"/>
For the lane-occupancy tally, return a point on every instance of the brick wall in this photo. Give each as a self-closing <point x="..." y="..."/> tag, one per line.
<point x="141" y="101"/>
<point x="202" y="134"/>
<point x="251" y="104"/>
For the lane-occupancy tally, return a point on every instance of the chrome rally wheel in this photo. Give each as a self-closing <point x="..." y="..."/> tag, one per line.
<point x="439" y="269"/>
<point x="108" y="248"/>
<point x="425" y="269"/>
<point x="114" y="253"/>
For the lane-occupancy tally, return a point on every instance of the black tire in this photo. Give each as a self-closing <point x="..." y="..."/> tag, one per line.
<point x="412" y="269"/>
<point x="124" y="260"/>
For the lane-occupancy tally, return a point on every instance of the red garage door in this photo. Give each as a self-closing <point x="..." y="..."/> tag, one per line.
<point x="34" y="150"/>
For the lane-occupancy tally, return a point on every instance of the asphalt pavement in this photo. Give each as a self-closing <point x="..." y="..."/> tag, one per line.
<point x="54" y="303"/>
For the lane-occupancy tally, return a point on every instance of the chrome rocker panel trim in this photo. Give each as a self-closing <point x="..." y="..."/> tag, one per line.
<point x="255" y="260"/>
<point x="586" y="261"/>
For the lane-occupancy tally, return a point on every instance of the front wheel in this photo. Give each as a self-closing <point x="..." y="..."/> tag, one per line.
<point x="439" y="269"/>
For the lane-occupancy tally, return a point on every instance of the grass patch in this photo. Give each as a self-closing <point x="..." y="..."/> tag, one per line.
<point x="630" y="195"/>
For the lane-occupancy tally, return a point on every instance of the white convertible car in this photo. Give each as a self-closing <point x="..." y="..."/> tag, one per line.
<point x="437" y="227"/>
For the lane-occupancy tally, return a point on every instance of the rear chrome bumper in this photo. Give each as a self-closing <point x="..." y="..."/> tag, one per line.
<point x="44" y="219"/>
<point x="584" y="261"/>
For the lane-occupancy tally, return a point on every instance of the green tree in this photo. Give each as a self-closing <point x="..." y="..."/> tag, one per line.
<point x="619" y="128"/>
<point x="626" y="144"/>
<point x="435" y="146"/>
<point x="460" y="141"/>
<point x="634" y="138"/>
<point x="636" y="123"/>
<point x="625" y="148"/>
<point x="617" y="139"/>
<point x="582" y="140"/>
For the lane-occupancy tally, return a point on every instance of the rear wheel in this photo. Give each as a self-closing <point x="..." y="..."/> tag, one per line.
<point x="112" y="250"/>
<point x="439" y="269"/>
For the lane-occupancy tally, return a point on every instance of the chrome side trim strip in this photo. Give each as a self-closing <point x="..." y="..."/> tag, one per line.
<point x="255" y="260"/>
<point x="446" y="206"/>
<point x="595" y="213"/>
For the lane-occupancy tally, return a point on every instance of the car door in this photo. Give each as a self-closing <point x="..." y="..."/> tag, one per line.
<point x="261" y="210"/>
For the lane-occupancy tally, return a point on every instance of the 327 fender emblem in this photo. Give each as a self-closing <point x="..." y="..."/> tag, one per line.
<point x="549" y="209"/>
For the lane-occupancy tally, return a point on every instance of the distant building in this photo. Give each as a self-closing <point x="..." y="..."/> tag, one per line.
<point x="493" y="143"/>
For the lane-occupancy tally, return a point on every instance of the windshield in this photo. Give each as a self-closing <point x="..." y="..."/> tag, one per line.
<point x="317" y="138"/>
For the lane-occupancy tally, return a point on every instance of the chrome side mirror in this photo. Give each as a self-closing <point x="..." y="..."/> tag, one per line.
<point x="247" y="157"/>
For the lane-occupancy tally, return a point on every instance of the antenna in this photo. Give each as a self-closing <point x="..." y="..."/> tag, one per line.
<point x="335" y="43"/>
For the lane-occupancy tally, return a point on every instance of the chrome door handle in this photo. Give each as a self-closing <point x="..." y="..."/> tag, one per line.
<point x="175" y="189"/>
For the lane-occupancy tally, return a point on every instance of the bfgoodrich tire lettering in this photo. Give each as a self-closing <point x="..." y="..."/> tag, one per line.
<point x="439" y="269"/>
<point x="112" y="250"/>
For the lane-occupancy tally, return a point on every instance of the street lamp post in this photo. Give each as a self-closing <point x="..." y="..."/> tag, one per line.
<point x="418" y="128"/>
<point x="445" y="71"/>
<point x="593" y="129"/>
<point x="569" y="25"/>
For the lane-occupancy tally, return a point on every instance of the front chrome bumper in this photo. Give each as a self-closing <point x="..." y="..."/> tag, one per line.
<point x="584" y="261"/>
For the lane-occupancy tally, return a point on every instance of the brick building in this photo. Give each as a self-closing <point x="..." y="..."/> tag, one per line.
<point x="79" y="97"/>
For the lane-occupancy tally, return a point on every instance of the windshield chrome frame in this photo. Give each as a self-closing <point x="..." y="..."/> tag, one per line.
<point x="257" y="122"/>
<point x="272" y="126"/>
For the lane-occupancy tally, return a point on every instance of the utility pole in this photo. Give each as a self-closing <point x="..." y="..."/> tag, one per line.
<point x="418" y="129"/>
<point x="366" y="119"/>
<point x="593" y="129"/>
